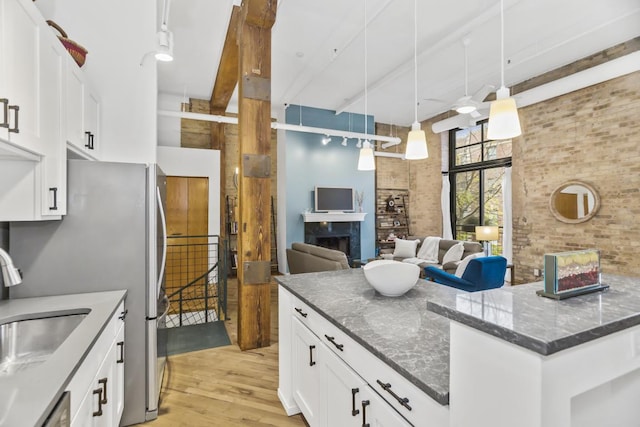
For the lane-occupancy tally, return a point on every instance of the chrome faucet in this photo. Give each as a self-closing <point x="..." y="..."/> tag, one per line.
<point x="10" y="274"/>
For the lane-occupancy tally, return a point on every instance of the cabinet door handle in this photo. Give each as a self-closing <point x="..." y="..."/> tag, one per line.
<point x="302" y="313"/>
<point x="365" y="403"/>
<point x="354" y="411"/>
<point x="103" y="381"/>
<point x="332" y="340"/>
<point x="402" y="400"/>
<point x="98" y="413"/>
<point x="121" y="358"/>
<point x="16" y="115"/>
<point x="123" y="315"/>
<point x="311" y="361"/>
<point x="91" y="141"/>
<point x="5" y="109"/>
<point x="88" y="144"/>
<point x="55" y="199"/>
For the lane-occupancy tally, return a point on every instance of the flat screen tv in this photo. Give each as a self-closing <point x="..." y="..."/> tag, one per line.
<point x="334" y="199"/>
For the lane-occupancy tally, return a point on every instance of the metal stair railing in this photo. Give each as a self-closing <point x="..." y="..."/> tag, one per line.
<point x="196" y="280"/>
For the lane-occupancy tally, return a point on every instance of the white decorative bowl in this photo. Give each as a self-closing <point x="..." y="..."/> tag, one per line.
<point x="391" y="278"/>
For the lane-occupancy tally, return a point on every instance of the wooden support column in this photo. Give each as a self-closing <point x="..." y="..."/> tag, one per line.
<point x="254" y="133"/>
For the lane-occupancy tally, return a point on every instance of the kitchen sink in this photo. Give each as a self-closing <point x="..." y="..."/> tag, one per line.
<point x="30" y="342"/>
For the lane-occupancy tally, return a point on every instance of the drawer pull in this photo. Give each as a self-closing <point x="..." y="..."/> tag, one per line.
<point x="302" y="313"/>
<point x="55" y="199"/>
<point x="365" y="403"/>
<point x="121" y="358"/>
<point x="5" y="108"/>
<point x="103" y="381"/>
<point x="402" y="400"/>
<point x="98" y="413"/>
<point x="332" y="340"/>
<point x="16" y="116"/>
<point x="311" y="362"/>
<point x="354" y="411"/>
<point x="123" y="314"/>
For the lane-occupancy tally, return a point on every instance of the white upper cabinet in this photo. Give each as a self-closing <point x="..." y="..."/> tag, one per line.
<point x="32" y="149"/>
<point x="83" y="114"/>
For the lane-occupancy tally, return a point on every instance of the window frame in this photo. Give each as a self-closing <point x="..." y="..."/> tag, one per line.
<point x="480" y="166"/>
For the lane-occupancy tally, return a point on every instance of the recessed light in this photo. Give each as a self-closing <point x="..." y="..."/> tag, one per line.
<point x="299" y="54"/>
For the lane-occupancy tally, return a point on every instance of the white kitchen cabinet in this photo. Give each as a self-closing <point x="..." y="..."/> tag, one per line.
<point x="83" y="114"/>
<point x="32" y="149"/>
<point x="97" y="388"/>
<point x="306" y="372"/>
<point x="330" y="393"/>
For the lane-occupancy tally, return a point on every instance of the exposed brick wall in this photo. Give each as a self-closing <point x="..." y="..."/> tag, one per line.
<point x="592" y="135"/>
<point x="423" y="178"/>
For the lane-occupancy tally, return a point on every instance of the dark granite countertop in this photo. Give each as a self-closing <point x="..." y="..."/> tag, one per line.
<point x="399" y="331"/>
<point x="519" y="316"/>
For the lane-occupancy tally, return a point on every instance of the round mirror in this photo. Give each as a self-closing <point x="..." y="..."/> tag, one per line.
<point x="574" y="202"/>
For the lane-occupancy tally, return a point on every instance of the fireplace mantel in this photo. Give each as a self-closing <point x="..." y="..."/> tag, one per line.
<point x="333" y="216"/>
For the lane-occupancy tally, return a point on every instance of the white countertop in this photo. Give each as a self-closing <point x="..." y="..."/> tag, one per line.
<point x="27" y="397"/>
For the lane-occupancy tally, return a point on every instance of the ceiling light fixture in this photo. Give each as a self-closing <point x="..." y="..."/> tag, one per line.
<point x="504" y="122"/>
<point x="366" y="161"/>
<point x="326" y="140"/>
<point x="344" y="141"/>
<point x="417" y="140"/>
<point x="164" y="37"/>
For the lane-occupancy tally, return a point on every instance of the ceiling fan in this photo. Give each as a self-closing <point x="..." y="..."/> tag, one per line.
<point x="469" y="107"/>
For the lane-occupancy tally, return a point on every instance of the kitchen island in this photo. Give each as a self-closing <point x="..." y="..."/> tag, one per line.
<point x="28" y="396"/>
<point x="497" y="358"/>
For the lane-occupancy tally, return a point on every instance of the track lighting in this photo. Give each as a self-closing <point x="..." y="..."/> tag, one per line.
<point x="359" y="144"/>
<point x="344" y="141"/>
<point x="326" y="140"/>
<point x="164" y="48"/>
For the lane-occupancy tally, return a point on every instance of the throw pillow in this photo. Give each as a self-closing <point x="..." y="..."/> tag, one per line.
<point x="462" y="266"/>
<point x="405" y="248"/>
<point x="454" y="253"/>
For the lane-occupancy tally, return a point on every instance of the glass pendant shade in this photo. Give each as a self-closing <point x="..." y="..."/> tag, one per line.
<point x="504" y="122"/>
<point x="416" y="144"/>
<point x="366" y="161"/>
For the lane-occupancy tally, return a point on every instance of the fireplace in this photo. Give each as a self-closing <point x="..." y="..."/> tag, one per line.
<point x="340" y="243"/>
<point x="342" y="236"/>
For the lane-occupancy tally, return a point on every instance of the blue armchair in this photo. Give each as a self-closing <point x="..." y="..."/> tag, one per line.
<point x="480" y="274"/>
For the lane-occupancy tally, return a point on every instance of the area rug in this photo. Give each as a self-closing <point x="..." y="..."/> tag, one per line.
<point x="196" y="337"/>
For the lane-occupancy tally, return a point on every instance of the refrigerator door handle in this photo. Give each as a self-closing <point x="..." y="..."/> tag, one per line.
<point x="164" y="242"/>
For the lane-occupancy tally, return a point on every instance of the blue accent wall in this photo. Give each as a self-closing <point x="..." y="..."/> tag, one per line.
<point x="310" y="164"/>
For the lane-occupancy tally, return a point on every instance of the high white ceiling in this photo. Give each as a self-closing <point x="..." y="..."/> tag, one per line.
<point x="318" y="48"/>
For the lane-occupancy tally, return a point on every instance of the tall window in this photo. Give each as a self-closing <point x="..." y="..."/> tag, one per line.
<point x="476" y="170"/>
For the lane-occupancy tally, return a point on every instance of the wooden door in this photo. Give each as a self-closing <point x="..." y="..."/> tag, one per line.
<point x="187" y="228"/>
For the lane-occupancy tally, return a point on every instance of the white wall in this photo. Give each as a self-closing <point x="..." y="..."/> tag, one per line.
<point x="176" y="161"/>
<point x="169" y="127"/>
<point x="117" y="35"/>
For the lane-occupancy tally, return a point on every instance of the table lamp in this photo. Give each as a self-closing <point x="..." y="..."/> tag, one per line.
<point x="487" y="234"/>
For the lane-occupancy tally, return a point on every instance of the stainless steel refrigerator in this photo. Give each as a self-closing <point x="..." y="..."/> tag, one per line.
<point x="113" y="237"/>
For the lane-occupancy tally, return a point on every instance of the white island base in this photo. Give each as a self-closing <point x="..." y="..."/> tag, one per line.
<point x="495" y="383"/>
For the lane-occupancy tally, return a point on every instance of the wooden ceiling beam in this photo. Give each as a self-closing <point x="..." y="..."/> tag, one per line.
<point x="227" y="77"/>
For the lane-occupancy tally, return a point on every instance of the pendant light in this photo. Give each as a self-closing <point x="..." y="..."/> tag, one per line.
<point x="366" y="161"/>
<point x="503" y="115"/>
<point x="417" y="140"/>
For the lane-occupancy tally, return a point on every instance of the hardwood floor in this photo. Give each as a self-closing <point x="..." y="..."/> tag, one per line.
<point x="225" y="386"/>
